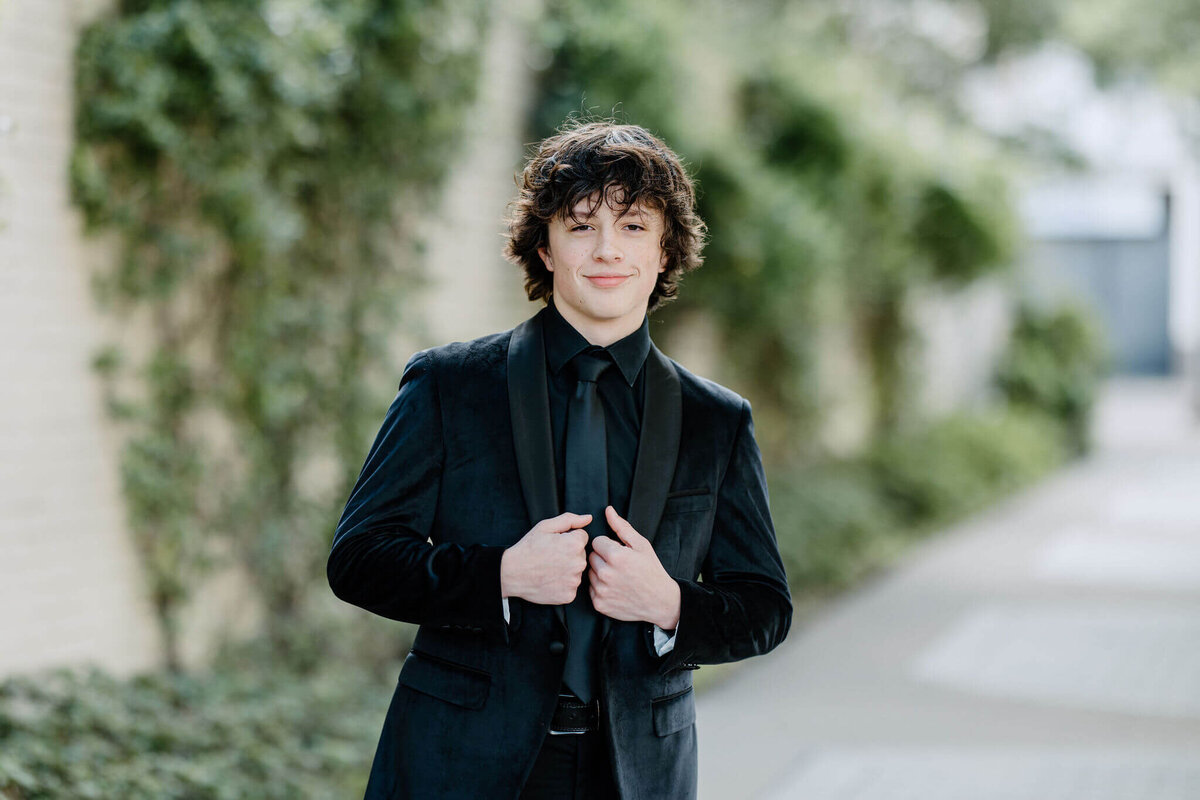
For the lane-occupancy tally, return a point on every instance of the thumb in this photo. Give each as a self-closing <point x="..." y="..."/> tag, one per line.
<point x="625" y="532"/>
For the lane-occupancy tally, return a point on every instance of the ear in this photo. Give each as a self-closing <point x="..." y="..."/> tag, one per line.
<point x="544" y="254"/>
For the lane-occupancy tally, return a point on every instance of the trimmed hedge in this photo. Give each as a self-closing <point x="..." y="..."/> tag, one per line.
<point x="837" y="522"/>
<point x="263" y="733"/>
<point x="1055" y="360"/>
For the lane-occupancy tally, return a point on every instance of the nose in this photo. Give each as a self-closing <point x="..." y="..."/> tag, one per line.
<point x="606" y="247"/>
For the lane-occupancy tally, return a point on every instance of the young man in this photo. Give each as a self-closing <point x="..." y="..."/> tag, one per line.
<point x="542" y="502"/>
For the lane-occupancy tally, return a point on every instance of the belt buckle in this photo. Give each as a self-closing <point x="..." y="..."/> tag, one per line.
<point x="587" y="716"/>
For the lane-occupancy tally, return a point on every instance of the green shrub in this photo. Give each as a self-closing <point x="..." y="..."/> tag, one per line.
<point x="838" y="521"/>
<point x="1054" y="364"/>
<point x="832" y="524"/>
<point x="259" y="733"/>
<point x="960" y="463"/>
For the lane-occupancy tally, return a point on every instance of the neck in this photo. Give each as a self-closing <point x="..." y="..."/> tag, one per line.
<point x="601" y="333"/>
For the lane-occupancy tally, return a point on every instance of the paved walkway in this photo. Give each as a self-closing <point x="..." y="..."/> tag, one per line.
<point x="1049" y="649"/>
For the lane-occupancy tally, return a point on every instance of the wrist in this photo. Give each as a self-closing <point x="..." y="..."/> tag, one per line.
<point x="505" y="574"/>
<point x="668" y="619"/>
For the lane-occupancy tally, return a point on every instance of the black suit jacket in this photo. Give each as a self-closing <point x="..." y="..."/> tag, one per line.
<point x="461" y="469"/>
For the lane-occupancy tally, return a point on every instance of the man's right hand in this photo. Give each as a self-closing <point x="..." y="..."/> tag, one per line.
<point x="545" y="567"/>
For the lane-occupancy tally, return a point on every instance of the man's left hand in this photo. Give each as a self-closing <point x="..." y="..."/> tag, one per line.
<point x="627" y="581"/>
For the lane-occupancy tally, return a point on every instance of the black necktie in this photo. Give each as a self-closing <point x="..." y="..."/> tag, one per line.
<point x="585" y="491"/>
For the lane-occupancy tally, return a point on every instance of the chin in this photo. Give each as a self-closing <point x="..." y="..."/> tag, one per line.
<point x="612" y="310"/>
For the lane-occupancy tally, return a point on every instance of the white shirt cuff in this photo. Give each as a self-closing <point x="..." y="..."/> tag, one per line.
<point x="663" y="642"/>
<point x="504" y="600"/>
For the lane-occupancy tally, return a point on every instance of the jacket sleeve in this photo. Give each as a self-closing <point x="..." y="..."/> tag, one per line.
<point x="382" y="557"/>
<point x="741" y="607"/>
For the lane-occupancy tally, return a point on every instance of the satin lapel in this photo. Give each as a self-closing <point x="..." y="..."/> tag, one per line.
<point x="529" y="406"/>
<point x="658" y="448"/>
<point x="658" y="445"/>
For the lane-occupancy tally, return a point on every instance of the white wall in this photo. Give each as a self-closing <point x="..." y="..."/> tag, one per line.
<point x="473" y="291"/>
<point x="70" y="586"/>
<point x="963" y="335"/>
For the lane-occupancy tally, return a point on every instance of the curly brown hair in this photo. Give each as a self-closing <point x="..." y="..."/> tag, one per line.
<point x="619" y="164"/>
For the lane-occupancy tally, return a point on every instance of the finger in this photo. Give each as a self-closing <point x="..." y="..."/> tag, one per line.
<point x="623" y="529"/>
<point x="595" y="560"/>
<point x="566" y="522"/>
<point x="599" y="598"/>
<point x="605" y="547"/>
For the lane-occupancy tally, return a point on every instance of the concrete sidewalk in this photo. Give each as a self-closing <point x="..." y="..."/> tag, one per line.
<point x="1048" y="649"/>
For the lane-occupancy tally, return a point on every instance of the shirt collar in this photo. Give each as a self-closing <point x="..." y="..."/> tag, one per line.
<point x="563" y="343"/>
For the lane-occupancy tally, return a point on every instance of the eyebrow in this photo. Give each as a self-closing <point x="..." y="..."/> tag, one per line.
<point x="581" y="212"/>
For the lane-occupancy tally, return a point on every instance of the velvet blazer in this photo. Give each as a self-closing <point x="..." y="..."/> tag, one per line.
<point x="461" y="469"/>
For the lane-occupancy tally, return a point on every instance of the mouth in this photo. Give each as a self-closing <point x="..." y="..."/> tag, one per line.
<point x="607" y="281"/>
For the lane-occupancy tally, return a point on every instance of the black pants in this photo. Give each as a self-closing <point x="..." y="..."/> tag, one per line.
<point x="573" y="766"/>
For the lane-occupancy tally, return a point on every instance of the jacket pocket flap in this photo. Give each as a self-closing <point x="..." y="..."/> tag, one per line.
<point x="445" y="680"/>
<point x="674" y="712"/>
<point x="689" y="500"/>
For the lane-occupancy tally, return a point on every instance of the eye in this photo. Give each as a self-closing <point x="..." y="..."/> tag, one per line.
<point x="636" y="226"/>
<point x="580" y="227"/>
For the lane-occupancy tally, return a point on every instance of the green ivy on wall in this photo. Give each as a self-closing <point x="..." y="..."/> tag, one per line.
<point x="822" y="205"/>
<point x="255" y="161"/>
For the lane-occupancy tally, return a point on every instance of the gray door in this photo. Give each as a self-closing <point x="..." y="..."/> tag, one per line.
<point x="1125" y="281"/>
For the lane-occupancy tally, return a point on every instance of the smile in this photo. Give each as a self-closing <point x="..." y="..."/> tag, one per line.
<point x="607" y="281"/>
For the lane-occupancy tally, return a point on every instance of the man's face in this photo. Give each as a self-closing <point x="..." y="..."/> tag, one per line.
<point x="605" y="267"/>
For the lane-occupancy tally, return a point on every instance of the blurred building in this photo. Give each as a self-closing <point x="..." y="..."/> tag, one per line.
<point x="1116" y="226"/>
<point x="1105" y="241"/>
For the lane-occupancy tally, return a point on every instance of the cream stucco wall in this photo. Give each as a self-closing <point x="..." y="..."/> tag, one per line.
<point x="71" y="590"/>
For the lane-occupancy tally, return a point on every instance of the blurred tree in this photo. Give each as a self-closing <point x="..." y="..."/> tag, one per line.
<point x="1018" y="24"/>
<point x="824" y="197"/>
<point x="253" y="158"/>
<point x="1156" y="39"/>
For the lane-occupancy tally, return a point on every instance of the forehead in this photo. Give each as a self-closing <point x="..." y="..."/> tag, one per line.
<point x="614" y="200"/>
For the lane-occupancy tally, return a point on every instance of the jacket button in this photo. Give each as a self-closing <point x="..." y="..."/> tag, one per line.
<point x="556" y="648"/>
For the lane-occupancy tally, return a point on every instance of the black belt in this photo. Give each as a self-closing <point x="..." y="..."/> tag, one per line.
<point x="572" y="715"/>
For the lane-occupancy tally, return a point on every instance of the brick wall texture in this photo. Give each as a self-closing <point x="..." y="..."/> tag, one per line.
<point x="70" y="587"/>
<point x="71" y="591"/>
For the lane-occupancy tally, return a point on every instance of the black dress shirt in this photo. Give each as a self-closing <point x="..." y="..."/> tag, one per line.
<point x="621" y="389"/>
